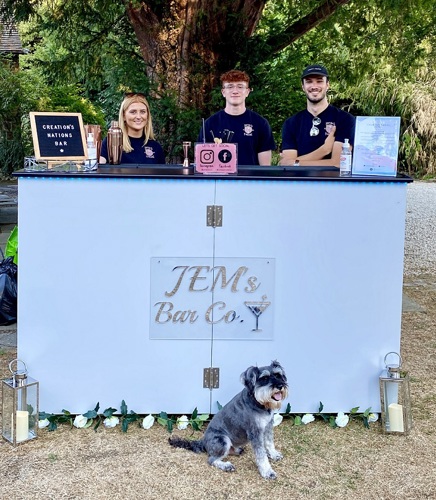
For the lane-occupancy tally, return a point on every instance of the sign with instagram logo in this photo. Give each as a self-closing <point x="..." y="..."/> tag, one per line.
<point x="212" y="158"/>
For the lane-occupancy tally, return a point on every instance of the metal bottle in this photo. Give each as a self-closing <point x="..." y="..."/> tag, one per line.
<point x="114" y="143"/>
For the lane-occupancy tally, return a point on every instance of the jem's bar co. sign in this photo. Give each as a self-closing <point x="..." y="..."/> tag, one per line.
<point x="191" y="296"/>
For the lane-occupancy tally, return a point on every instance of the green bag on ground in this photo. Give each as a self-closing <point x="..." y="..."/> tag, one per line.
<point x="11" y="249"/>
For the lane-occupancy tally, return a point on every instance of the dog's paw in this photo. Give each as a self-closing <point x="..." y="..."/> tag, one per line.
<point x="236" y="451"/>
<point x="275" y="455"/>
<point x="229" y="467"/>
<point x="268" y="474"/>
<point x="225" y="466"/>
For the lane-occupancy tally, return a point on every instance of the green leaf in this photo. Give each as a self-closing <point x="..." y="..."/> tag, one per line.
<point x="52" y="426"/>
<point x="194" y="414"/>
<point x="123" y="408"/>
<point x="162" y="421"/>
<point x="88" y="423"/>
<point x="220" y="407"/>
<point x="164" y="415"/>
<point x="321" y="407"/>
<point x="62" y="419"/>
<point x="43" y="415"/>
<point x="109" y="412"/>
<point x="124" y="425"/>
<point x="367" y="412"/>
<point x="132" y="417"/>
<point x="332" y="421"/>
<point x="297" y="420"/>
<point x="90" y="414"/>
<point x="354" y="410"/>
<point x="366" y="422"/>
<point x="66" y="412"/>
<point x="97" y="407"/>
<point x="195" y="425"/>
<point x="288" y="409"/>
<point x="97" y="424"/>
<point x="203" y="417"/>
<point x="170" y="425"/>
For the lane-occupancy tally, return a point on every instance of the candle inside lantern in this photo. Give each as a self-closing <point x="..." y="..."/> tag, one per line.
<point x="396" y="423"/>
<point x="22" y="426"/>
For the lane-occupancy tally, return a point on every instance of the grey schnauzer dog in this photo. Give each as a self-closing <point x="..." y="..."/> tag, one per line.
<point x="248" y="417"/>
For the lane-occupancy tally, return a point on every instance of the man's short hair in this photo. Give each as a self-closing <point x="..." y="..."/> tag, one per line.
<point x="315" y="70"/>
<point x="235" y="75"/>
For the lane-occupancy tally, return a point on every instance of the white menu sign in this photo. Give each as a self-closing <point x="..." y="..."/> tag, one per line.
<point x="376" y="145"/>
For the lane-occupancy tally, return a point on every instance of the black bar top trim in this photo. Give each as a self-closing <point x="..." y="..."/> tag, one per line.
<point x="252" y="173"/>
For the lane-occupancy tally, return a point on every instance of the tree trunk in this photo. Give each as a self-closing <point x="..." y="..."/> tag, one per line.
<point x="186" y="44"/>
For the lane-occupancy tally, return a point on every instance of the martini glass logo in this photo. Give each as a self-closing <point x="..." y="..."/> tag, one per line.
<point x="257" y="308"/>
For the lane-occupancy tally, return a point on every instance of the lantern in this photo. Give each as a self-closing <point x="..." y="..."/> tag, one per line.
<point x="395" y="397"/>
<point x="20" y="399"/>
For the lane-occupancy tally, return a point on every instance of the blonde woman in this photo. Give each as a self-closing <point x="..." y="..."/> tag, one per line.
<point x="139" y="145"/>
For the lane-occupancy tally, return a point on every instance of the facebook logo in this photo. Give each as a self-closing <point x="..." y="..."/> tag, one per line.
<point x="225" y="156"/>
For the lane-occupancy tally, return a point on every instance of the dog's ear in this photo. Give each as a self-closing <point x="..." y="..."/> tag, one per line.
<point x="276" y="364"/>
<point x="249" y="377"/>
<point x="278" y="368"/>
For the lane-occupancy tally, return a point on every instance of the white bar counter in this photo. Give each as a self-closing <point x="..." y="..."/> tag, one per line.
<point x="126" y="293"/>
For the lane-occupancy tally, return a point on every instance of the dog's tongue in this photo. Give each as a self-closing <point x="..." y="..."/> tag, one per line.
<point x="277" y="396"/>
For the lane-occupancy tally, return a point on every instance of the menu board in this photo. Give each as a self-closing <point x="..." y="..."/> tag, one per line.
<point x="376" y="145"/>
<point x="58" y="136"/>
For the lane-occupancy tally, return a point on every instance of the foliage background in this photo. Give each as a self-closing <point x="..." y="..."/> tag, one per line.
<point x="84" y="55"/>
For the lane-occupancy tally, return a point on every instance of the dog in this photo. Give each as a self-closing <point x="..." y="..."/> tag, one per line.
<point x="248" y="417"/>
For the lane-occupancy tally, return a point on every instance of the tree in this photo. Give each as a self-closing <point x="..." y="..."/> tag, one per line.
<point x="186" y="44"/>
<point x="174" y="50"/>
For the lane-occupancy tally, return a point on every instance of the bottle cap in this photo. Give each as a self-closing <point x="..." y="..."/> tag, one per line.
<point x="90" y="137"/>
<point x="114" y="123"/>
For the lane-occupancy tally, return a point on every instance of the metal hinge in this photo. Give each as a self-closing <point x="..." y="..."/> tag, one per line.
<point x="211" y="378"/>
<point x="214" y="216"/>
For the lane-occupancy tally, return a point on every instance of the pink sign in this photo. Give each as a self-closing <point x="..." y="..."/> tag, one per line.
<point x="212" y="158"/>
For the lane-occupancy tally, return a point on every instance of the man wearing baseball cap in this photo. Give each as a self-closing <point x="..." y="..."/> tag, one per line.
<point x="314" y="136"/>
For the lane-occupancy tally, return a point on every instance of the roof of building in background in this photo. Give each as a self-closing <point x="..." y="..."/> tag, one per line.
<point x="10" y="41"/>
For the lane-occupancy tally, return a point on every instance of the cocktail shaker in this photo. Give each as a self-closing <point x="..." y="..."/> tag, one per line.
<point x="114" y="143"/>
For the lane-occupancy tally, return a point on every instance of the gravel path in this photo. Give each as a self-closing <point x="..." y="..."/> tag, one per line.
<point x="420" y="245"/>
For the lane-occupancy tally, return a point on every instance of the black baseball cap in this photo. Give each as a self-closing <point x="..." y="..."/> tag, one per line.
<point x="315" y="69"/>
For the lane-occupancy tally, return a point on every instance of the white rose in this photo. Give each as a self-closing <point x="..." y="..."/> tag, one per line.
<point x="148" y="422"/>
<point x="182" y="422"/>
<point x="277" y="419"/>
<point x="80" y="421"/>
<point x="307" y="418"/>
<point x="43" y="423"/>
<point x="110" y="422"/>
<point x="342" y="420"/>
<point x="373" y="417"/>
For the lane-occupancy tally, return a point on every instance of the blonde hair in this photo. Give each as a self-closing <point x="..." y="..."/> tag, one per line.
<point x="148" y="128"/>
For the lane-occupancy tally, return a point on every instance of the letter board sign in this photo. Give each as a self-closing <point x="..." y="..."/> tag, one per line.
<point x="58" y="136"/>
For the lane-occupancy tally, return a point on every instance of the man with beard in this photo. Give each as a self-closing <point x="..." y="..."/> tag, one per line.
<point x="314" y="136"/>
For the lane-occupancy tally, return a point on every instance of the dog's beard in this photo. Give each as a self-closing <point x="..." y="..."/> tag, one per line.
<point x="269" y="397"/>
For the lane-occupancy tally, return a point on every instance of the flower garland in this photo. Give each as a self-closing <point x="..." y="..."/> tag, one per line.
<point x="196" y="421"/>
